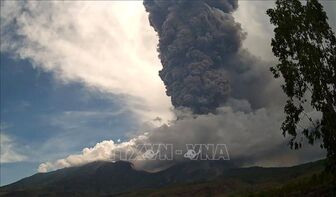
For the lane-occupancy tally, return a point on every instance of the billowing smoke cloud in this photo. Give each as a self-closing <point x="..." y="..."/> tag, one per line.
<point x="200" y="50"/>
<point x="222" y="93"/>
<point x="205" y="69"/>
<point x="251" y="137"/>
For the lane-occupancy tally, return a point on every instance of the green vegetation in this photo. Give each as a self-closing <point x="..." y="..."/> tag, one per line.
<point x="318" y="184"/>
<point x="304" y="180"/>
<point x="306" y="48"/>
<point x="119" y="179"/>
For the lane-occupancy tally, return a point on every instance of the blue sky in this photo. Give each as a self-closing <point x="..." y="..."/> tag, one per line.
<point x="63" y="88"/>
<point x="47" y="119"/>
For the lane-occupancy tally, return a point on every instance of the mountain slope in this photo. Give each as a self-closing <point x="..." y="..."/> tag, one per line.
<point x="107" y="178"/>
<point x="92" y="178"/>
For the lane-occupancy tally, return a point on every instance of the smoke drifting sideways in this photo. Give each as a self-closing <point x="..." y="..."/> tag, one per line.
<point x="200" y="48"/>
<point x="222" y="94"/>
<point x="251" y="138"/>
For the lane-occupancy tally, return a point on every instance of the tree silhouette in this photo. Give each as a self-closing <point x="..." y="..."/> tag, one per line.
<point x="305" y="45"/>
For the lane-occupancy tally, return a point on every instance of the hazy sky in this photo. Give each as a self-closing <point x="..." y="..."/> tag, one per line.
<point x="76" y="73"/>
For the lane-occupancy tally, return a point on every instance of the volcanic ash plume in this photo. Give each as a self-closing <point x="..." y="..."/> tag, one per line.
<point x="199" y="46"/>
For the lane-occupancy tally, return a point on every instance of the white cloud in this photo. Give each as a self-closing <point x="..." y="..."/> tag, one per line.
<point x="252" y="15"/>
<point x="107" y="45"/>
<point x="102" y="151"/>
<point x="9" y="153"/>
<point x="254" y="21"/>
<point x="251" y="136"/>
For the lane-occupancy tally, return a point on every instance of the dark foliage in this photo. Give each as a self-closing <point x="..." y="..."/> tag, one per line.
<point x="306" y="47"/>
